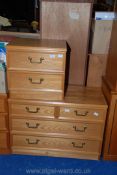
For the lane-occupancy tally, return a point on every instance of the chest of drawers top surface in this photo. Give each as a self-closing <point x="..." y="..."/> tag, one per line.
<point x="36" y="44"/>
<point x="84" y="96"/>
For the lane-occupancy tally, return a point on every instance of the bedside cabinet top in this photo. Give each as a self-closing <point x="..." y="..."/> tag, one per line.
<point x="40" y="44"/>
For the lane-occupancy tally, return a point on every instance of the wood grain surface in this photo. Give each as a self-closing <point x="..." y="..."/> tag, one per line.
<point x="56" y="143"/>
<point x="110" y="144"/>
<point x="57" y="128"/>
<point x="96" y="69"/>
<point x="111" y="72"/>
<point x="36" y="61"/>
<point x="69" y="21"/>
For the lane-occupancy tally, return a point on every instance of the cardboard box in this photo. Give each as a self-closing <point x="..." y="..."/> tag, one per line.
<point x="101" y="35"/>
<point x="105" y="15"/>
<point x="3" y="84"/>
<point x="96" y="69"/>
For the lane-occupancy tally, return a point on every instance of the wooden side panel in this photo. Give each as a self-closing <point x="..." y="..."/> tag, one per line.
<point x="69" y="21"/>
<point x="3" y="140"/>
<point x="3" y="103"/>
<point x="4" y="130"/>
<point x="109" y="146"/>
<point x="3" y="122"/>
<point x="96" y="69"/>
<point x="113" y="140"/>
<point x="111" y="71"/>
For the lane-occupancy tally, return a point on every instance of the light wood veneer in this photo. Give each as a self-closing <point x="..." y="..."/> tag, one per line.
<point x="36" y="69"/>
<point x="4" y="125"/>
<point x="73" y="127"/>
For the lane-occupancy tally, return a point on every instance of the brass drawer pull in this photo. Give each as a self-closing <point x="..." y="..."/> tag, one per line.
<point x="33" y="82"/>
<point x="81" y="114"/>
<point x="36" y="111"/>
<point x="80" y="130"/>
<point x="35" y="62"/>
<point x="32" y="143"/>
<point x="33" y="127"/>
<point x="78" y="146"/>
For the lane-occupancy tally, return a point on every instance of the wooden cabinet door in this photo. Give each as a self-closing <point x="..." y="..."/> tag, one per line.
<point x="113" y="140"/>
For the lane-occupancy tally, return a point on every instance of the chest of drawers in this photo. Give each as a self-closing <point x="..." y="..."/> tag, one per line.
<point x="4" y="132"/>
<point x="36" y="69"/>
<point x="72" y="127"/>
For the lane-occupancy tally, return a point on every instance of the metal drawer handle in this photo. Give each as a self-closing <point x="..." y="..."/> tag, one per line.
<point x="78" y="146"/>
<point x="33" y="127"/>
<point x="36" y="111"/>
<point x="81" y="114"/>
<point x="32" y="143"/>
<point x="35" y="62"/>
<point x="33" y="82"/>
<point x="80" y="130"/>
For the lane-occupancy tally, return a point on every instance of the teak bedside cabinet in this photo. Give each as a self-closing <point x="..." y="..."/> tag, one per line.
<point x="36" y="69"/>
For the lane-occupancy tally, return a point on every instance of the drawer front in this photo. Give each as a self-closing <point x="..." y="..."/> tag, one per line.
<point x="3" y="140"/>
<point x="3" y="124"/>
<point x="35" y="81"/>
<point x="30" y="110"/>
<point x="55" y="143"/>
<point x="36" y="61"/>
<point x="3" y="104"/>
<point x="58" y="128"/>
<point x="83" y="114"/>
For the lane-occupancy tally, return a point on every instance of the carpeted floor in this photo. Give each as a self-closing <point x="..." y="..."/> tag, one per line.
<point x="33" y="165"/>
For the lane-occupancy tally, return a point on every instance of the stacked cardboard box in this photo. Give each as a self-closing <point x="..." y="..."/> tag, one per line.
<point x="99" y="49"/>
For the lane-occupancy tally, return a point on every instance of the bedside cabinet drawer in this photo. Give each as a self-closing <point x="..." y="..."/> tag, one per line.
<point x="82" y="113"/>
<point x="30" y="110"/>
<point x="55" y="143"/>
<point x="3" y="103"/>
<point x="3" y="140"/>
<point x="35" y="81"/>
<point x="36" y="61"/>
<point x="65" y="129"/>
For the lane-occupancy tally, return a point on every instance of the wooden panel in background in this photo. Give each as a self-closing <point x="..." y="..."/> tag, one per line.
<point x="96" y="69"/>
<point x="69" y="21"/>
